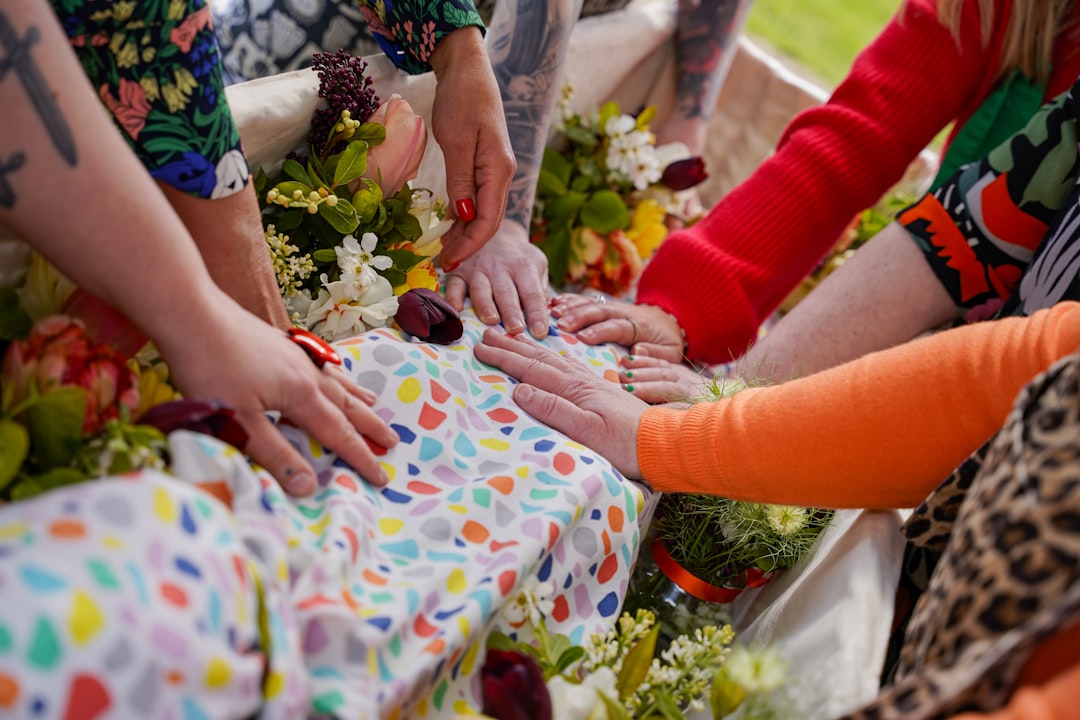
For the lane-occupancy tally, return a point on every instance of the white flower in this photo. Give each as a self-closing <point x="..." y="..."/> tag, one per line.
<point x="531" y="603"/>
<point x="344" y="309"/>
<point x="572" y="701"/>
<point x="619" y="126"/>
<point x="756" y="671"/>
<point x="785" y="519"/>
<point x="354" y="256"/>
<point x="434" y="224"/>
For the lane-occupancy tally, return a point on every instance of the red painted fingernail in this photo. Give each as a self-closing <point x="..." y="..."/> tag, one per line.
<point x="317" y="349"/>
<point x="466" y="209"/>
<point x="453" y="267"/>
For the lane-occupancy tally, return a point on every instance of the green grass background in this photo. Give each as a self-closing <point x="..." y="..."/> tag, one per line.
<point x="820" y="36"/>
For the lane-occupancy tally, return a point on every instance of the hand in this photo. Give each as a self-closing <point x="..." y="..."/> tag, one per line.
<point x="507" y="276"/>
<point x="644" y="329"/>
<point x="659" y="381"/>
<point x="568" y="396"/>
<point x="468" y="122"/>
<point x="255" y="368"/>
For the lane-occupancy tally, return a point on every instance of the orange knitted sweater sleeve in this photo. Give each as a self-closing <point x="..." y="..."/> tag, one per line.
<point x="880" y="432"/>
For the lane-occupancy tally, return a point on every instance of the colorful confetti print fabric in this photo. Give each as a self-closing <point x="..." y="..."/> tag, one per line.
<point x="145" y="596"/>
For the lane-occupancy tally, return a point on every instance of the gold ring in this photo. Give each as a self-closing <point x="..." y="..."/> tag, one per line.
<point x="633" y="325"/>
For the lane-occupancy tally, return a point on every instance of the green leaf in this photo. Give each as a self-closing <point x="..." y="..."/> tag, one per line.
<point x="289" y="187"/>
<point x="55" y="423"/>
<point x="367" y="200"/>
<point x="352" y="163"/>
<point x="726" y="695"/>
<point x="556" y="246"/>
<point x="615" y="710"/>
<point x="645" y="117"/>
<point x="564" y="209"/>
<point x="394" y="276"/>
<point x="57" y="477"/>
<point x="558" y="166"/>
<point x="372" y="133"/>
<point x="14" y="322"/>
<point x="667" y="707"/>
<point x="548" y="184"/>
<point x="297" y="172"/>
<point x="259" y="183"/>
<point x="342" y="216"/>
<point x="608" y="110"/>
<point x="316" y="170"/>
<point x="323" y="255"/>
<point x="581" y="136"/>
<point x="500" y="641"/>
<point x="605" y="211"/>
<point x="568" y="657"/>
<point x="289" y="220"/>
<point x="636" y="665"/>
<point x="14" y="447"/>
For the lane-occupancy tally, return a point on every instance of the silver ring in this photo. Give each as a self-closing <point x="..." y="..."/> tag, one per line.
<point x="601" y="299"/>
<point x="633" y="325"/>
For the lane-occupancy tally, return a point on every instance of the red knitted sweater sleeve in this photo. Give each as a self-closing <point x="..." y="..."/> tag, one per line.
<point x="881" y="431"/>
<point x="724" y="275"/>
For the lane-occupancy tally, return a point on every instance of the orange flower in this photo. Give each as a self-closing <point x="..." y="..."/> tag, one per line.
<point x="131" y="109"/>
<point x="184" y="34"/>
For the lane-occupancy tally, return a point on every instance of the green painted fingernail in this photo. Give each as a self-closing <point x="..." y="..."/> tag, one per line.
<point x="628" y="388"/>
<point x="629" y="373"/>
<point x="629" y="357"/>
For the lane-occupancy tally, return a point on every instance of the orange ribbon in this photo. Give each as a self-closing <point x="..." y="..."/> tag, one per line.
<point x="688" y="581"/>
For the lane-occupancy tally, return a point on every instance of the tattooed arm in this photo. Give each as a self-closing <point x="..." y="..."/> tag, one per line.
<point x="79" y="196"/>
<point x="507" y="279"/>
<point x="704" y="48"/>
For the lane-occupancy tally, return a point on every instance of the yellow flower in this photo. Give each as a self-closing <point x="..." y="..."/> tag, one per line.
<point x="128" y="55"/>
<point x="153" y="384"/>
<point x="122" y="11"/>
<point x="647" y="228"/>
<point x="423" y="275"/>
<point x="185" y="80"/>
<point x="177" y="10"/>
<point x="150" y="87"/>
<point x="148" y="54"/>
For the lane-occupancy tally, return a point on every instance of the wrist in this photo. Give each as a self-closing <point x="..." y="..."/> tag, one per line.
<point x="463" y="45"/>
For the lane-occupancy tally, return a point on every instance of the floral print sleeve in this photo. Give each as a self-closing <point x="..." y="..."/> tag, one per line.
<point x="155" y="66"/>
<point x="985" y="230"/>
<point x="408" y="30"/>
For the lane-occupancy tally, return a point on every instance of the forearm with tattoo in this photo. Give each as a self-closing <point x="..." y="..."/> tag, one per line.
<point x="15" y="58"/>
<point x="528" y="40"/>
<point x="707" y="30"/>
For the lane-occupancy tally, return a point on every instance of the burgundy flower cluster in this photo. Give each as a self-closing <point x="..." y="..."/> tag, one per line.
<point x="344" y="85"/>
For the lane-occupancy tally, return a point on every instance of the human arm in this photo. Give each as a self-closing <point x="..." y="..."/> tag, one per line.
<point x="468" y="123"/>
<point x="725" y="274"/>
<point x="1056" y="700"/>
<point x="880" y="431"/>
<point x="119" y="239"/>
<point x="507" y="279"/>
<point x="705" y="35"/>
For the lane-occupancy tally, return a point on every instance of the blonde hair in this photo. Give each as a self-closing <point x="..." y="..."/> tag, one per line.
<point x="1029" y="38"/>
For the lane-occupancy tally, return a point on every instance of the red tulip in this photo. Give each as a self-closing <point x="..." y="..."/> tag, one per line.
<point x="424" y="314"/>
<point x="57" y="353"/>
<point x="684" y="174"/>
<point x="513" y="687"/>
<point x="202" y="416"/>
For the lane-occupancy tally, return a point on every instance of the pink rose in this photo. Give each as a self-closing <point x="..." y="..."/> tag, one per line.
<point x="58" y="353"/>
<point x="396" y="160"/>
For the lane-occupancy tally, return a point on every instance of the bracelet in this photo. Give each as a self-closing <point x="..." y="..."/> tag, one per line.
<point x="316" y="348"/>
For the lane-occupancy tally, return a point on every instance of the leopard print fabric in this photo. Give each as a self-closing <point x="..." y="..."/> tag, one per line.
<point x="1009" y="572"/>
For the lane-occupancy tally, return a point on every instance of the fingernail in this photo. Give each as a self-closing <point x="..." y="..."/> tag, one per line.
<point x="452" y="267"/>
<point x="466" y="209"/>
<point x="629" y="373"/>
<point x="301" y="483"/>
<point x="630" y="358"/>
<point x="628" y="388"/>
<point x="523" y="392"/>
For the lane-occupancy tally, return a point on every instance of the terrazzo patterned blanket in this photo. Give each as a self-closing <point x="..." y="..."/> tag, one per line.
<point x="147" y="596"/>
